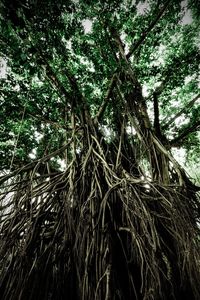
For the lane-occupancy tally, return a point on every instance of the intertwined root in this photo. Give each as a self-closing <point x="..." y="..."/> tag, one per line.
<point x="95" y="231"/>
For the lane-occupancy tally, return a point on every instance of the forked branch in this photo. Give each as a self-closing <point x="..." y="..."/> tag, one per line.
<point x="182" y="111"/>
<point x="147" y="31"/>
<point x="178" y="140"/>
<point x="106" y="99"/>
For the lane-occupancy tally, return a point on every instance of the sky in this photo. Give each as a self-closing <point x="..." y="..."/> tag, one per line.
<point x="2" y="68"/>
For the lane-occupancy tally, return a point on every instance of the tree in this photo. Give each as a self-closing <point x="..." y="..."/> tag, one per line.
<point x="93" y="203"/>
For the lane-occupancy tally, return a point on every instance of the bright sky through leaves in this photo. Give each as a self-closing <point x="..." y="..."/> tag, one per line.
<point x="87" y="24"/>
<point x="2" y="68"/>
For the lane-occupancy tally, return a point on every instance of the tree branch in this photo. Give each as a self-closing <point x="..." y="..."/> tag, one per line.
<point x="105" y="101"/>
<point x="47" y="121"/>
<point x="136" y="94"/>
<point x="50" y="74"/>
<point x="31" y="165"/>
<point x="147" y="31"/>
<point x="176" y="141"/>
<point x="183" y="110"/>
<point x="78" y="101"/>
<point x="156" y="115"/>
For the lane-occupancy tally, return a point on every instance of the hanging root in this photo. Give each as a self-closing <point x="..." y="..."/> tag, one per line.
<point x="96" y="232"/>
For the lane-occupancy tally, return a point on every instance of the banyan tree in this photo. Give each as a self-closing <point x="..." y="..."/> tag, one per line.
<point x="96" y="96"/>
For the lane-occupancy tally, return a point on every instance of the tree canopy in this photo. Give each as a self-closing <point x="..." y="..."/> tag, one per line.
<point x="96" y="98"/>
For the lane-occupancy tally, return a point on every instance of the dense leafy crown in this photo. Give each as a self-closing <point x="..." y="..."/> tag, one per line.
<point x="45" y="47"/>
